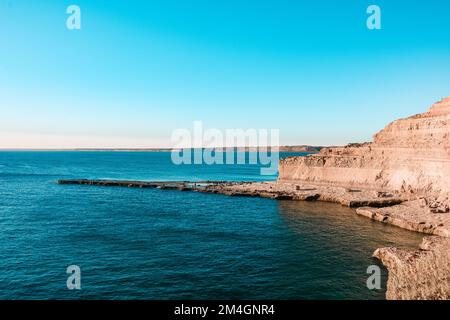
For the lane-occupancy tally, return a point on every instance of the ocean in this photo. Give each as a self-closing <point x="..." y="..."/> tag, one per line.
<point x="167" y="244"/>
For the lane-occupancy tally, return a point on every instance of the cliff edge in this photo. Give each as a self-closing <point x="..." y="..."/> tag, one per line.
<point x="408" y="155"/>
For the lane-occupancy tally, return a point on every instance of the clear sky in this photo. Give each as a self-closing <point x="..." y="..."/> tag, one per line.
<point x="137" y="70"/>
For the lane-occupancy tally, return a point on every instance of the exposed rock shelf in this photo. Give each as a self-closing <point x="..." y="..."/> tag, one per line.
<point x="274" y="190"/>
<point x="412" y="215"/>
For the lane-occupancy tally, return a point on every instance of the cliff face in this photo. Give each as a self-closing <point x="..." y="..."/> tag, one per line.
<point x="410" y="155"/>
<point x="409" y="158"/>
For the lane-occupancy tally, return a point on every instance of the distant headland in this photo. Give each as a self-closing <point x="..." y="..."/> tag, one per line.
<point x="293" y="148"/>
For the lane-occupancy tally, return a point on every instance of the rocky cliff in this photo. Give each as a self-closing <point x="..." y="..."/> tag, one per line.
<point x="409" y="158"/>
<point x="418" y="274"/>
<point x="411" y="155"/>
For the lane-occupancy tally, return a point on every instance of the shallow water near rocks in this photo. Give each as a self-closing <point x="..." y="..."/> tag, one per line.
<point x="167" y="244"/>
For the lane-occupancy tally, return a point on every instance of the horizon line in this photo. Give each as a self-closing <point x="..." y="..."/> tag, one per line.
<point x="158" y="148"/>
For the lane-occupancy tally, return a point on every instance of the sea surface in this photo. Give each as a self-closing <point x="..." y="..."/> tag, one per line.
<point x="167" y="244"/>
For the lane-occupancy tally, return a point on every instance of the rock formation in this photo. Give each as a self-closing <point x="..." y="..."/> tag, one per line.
<point x="401" y="178"/>
<point x="418" y="274"/>
<point x="409" y="155"/>
<point x="411" y="158"/>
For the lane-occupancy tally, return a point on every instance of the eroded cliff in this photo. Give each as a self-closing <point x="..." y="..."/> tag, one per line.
<point x="410" y="155"/>
<point x="411" y="158"/>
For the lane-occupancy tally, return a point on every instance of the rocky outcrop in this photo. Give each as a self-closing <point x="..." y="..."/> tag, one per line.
<point x="409" y="155"/>
<point x="308" y="192"/>
<point x="418" y="274"/>
<point x="413" y="215"/>
<point x="401" y="178"/>
<point x="274" y="190"/>
<point x="410" y="158"/>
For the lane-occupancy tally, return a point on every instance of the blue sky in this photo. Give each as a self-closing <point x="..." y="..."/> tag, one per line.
<point x="137" y="70"/>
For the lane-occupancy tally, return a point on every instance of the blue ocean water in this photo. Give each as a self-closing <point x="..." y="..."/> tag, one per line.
<point x="167" y="244"/>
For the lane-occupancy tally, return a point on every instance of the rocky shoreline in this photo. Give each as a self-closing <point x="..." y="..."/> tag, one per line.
<point x="403" y="210"/>
<point x="409" y="158"/>
<point x="421" y="274"/>
<point x="353" y="198"/>
<point x="401" y="178"/>
<point x="407" y="211"/>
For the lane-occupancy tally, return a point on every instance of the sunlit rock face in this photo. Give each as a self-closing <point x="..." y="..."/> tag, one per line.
<point x="409" y="155"/>
<point x="427" y="130"/>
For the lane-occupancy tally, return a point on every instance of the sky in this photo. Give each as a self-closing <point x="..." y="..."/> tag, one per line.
<point x="138" y="70"/>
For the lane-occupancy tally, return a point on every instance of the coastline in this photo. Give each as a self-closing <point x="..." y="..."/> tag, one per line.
<point x="389" y="208"/>
<point x="409" y="158"/>
<point x="402" y="210"/>
<point x="400" y="178"/>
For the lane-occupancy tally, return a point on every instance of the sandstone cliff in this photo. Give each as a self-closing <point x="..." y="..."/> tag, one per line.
<point x="409" y="158"/>
<point x="411" y="155"/>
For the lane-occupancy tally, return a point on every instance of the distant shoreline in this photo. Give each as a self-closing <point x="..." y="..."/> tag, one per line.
<point x="300" y="148"/>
